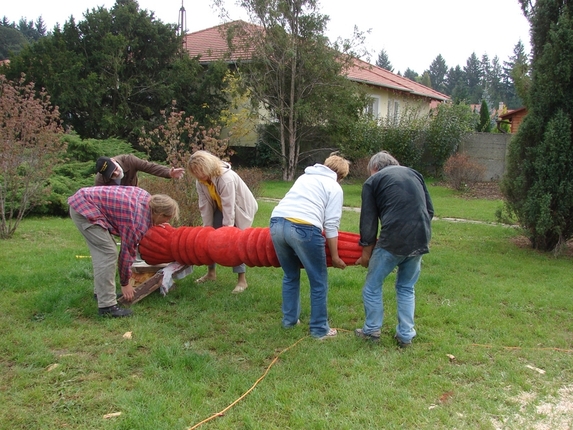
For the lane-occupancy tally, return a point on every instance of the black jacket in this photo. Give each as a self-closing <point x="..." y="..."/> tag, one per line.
<point x="397" y="197"/>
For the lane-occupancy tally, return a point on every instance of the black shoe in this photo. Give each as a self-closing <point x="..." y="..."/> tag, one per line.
<point x="402" y="344"/>
<point x="115" y="311"/>
<point x="117" y="296"/>
<point x="374" y="336"/>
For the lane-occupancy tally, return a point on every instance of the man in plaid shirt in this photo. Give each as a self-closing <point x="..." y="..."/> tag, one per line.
<point x="127" y="212"/>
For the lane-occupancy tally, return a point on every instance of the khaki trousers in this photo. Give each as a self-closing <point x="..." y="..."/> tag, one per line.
<point x="104" y="258"/>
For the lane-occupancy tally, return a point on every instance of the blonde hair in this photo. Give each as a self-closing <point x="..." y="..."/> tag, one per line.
<point x="203" y="163"/>
<point x="162" y="204"/>
<point x="338" y="165"/>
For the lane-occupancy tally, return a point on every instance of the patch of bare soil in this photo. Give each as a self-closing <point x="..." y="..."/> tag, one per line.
<point x="486" y="190"/>
<point x="553" y="413"/>
<point x="481" y="190"/>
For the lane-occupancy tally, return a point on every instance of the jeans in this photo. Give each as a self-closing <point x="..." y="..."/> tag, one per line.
<point x="296" y="245"/>
<point x="381" y="265"/>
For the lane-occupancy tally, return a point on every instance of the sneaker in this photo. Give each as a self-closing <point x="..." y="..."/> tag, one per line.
<point x="115" y="311"/>
<point x="374" y="336"/>
<point x="331" y="333"/>
<point x="402" y="344"/>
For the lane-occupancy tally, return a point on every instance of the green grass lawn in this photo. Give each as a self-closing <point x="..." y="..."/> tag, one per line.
<point x="494" y="346"/>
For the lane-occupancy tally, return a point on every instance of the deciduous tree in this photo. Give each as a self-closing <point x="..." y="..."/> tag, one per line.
<point x="30" y="147"/>
<point x="296" y="79"/>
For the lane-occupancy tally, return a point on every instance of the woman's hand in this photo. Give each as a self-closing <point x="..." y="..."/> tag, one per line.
<point x="338" y="263"/>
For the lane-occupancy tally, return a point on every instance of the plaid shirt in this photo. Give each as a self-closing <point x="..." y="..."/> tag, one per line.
<point x="123" y="211"/>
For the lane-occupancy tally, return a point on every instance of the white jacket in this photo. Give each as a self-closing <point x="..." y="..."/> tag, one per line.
<point x="239" y="204"/>
<point x="315" y="197"/>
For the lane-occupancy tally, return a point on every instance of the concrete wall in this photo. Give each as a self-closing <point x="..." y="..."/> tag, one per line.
<point x="489" y="150"/>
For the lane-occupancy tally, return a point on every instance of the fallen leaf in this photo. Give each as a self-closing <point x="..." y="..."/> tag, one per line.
<point x="112" y="415"/>
<point x="446" y="396"/>
<point x="127" y="335"/>
<point x="52" y="367"/>
<point x="538" y="370"/>
<point x="451" y="357"/>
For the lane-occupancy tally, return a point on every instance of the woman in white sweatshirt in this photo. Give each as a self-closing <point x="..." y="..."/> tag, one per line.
<point x="312" y="206"/>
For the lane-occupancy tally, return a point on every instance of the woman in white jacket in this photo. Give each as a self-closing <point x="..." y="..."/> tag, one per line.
<point x="301" y="224"/>
<point x="224" y="200"/>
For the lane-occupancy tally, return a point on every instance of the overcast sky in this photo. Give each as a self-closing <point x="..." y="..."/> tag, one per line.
<point x="412" y="33"/>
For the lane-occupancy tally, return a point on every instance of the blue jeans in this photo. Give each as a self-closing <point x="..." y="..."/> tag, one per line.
<point x="381" y="265"/>
<point x="296" y="245"/>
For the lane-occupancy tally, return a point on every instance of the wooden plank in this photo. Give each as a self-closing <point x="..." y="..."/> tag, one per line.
<point x="145" y="289"/>
<point x="146" y="268"/>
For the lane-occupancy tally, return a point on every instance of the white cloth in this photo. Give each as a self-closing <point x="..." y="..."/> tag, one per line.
<point x="171" y="272"/>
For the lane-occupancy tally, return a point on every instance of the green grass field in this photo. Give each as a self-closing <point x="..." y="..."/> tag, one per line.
<point x="494" y="348"/>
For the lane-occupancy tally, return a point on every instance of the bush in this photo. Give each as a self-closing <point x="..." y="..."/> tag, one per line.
<point x="403" y="136"/>
<point x="359" y="169"/>
<point x="182" y="190"/>
<point x="448" y="126"/>
<point x="78" y="171"/>
<point x="253" y="177"/>
<point x="461" y="173"/>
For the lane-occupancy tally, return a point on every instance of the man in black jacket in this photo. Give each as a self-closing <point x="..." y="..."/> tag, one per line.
<point x="397" y="197"/>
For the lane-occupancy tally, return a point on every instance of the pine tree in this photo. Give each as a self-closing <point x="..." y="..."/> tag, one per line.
<point x="473" y="74"/>
<point x="425" y="79"/>
<point x="515" y="77"/>
<point x="456" y="85"/>
<point x="437" y="71"/>
<point x="383" y="61"/>
<point x="538" y="184"/>
<point x="484" y="125"/>
<point x="410" y="74"/>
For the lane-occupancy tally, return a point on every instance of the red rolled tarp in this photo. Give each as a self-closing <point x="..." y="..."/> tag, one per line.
<point x="226" y="246"/>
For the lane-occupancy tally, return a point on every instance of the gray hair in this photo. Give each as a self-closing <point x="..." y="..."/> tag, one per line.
<point x="380" y="160"/>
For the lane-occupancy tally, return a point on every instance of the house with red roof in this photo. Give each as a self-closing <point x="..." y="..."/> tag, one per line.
<point x="390" y="93"/>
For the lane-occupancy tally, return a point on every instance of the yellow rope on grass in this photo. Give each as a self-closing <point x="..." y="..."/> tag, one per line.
<point x="521" y="348"/>
<point x="221" y="413"/>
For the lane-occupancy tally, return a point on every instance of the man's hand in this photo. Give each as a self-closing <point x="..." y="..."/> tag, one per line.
<point x="177" y="173"/>
<point x="128" y="292"/>
<point x="362" y="261"/>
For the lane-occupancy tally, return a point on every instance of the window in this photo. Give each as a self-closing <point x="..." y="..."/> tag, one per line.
<point x="373" y="107"/>
<point x="393" y="110"/>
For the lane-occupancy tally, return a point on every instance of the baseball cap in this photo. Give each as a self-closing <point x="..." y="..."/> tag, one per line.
<point x="105" y="166"/>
